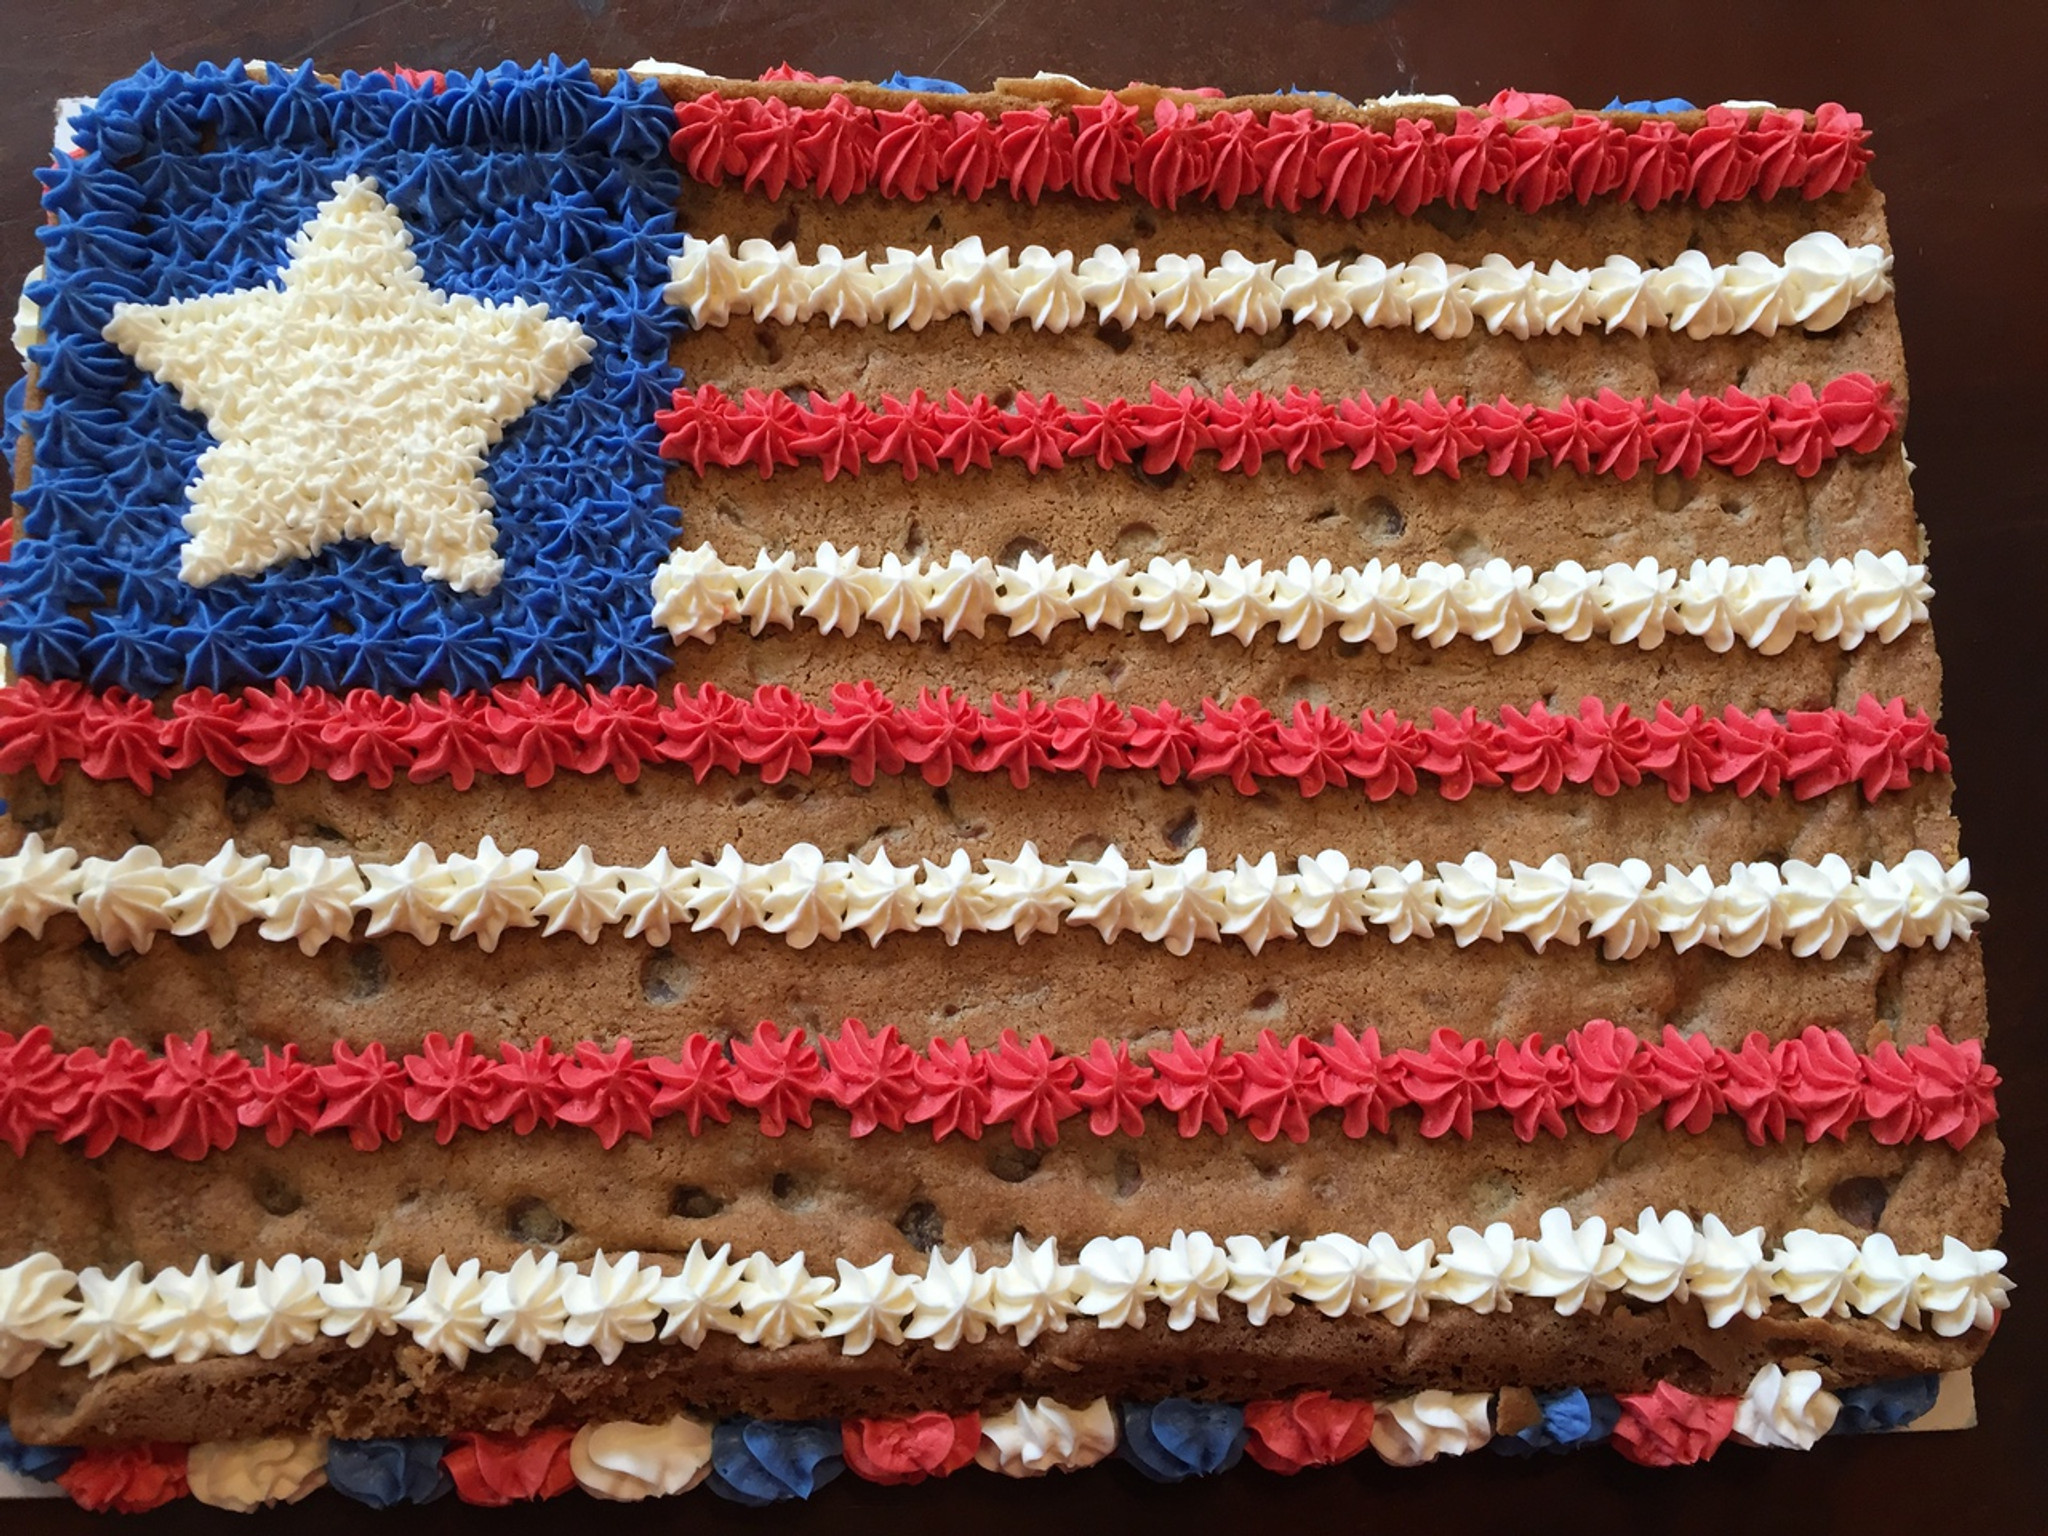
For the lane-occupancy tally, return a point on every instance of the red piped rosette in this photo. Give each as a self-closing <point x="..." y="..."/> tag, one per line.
<point x="496" y="1470"/>
<point x="1313" y="1429"/>
<point x="520" y="731"/>
<point x="126" y="1479"/>
<point x="1178" y="151"/>
<point x="1669" y="1427"/>
<point x="1600" y="1080"/>
<point x="910" y="1450"/>
<point x="1604" y="434"/>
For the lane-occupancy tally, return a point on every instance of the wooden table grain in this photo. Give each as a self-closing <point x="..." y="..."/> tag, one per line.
<point x="1950" y="88"/>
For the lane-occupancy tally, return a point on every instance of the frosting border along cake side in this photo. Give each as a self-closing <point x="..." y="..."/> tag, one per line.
<point x="1365" y="672"/>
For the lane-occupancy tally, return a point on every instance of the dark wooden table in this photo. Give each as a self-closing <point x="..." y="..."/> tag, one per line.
<point x="1952" y="90"/>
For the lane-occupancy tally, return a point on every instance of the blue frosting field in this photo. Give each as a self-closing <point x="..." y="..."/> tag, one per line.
<point x="517" y="182"/>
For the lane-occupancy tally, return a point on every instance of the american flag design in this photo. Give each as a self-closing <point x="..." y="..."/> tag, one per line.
<point x="803" y="748"/>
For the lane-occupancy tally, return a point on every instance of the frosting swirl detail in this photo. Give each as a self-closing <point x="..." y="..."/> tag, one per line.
<point x="1842" y="602"/>
<point x="539" y="1304"/>
<point x="1809" y="909"/>
<point x="244" y="1475"/>
<point x="626" y="1462"/>
<point x="1605" y="747"/>
<point x="1607" y="434"/>
<point x="1101" y="147"/>
<point x="1599" y="1078"/>
<point x="1818" y="281"/>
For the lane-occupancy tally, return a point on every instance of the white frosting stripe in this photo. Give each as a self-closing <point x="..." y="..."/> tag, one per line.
<point x="315" y="897"/>
<point x="1306" y="602"/>
<point x="1817" y="282"/>
<point x="100" y="1320"/>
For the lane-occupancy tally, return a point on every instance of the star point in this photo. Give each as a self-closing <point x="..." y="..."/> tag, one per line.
<point x="349" y="399"/>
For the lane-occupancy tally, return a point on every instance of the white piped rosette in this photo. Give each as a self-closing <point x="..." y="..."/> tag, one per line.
<point x="247" y="1475"/>
<point x="1036" y="1436"/>
<point x="626" y="1462"/>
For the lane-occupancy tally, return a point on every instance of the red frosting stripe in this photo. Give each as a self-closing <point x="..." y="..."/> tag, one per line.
<point x="1667" y="1427"/>
<point x="1180" y="151"/>
<point x="910" y="1450"/>
<point x="1604" y="434"/>
<point x="126" y="1479"/>
<point x="520" y="731"/>
<point x="496" y="1470"/>
<point x="1312" y="1430"/>
<point x="1600" y="1080"/>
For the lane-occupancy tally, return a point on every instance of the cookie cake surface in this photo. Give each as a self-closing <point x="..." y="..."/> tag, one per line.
<point x="724" y="781"/>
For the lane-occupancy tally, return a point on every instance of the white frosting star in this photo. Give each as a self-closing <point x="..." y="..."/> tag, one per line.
<point x="348" y="400"/>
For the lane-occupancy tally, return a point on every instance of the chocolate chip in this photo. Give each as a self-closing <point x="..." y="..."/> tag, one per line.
<point x="1114" y="337"/>
<point x="38" y="808"/>
<point x="246" y="798"/>
<point x="1891" y="991"/>
<point x="786" y="229"/>
<point x="1181" y="834"/>
<point x="664" y="978"/>
<point x="1137" y="542"/>
<point x="923" y="1225"/>
<point x="368" y="972"/>
<point x="1448" y="218"/>
<point x="531" y="1220"/>
<point x="273" y="1193"/>
<point x="1382" y="520"/>
<point x="105" y="958"/>
<point x="694" y="1201"/>
<point x="1493" y="1193"/>
<point x="1011" y="1163"/>
<point x="1860" y="1201"/>
<point x="1267" y="1001"/>
<point x="1088" y="847"/>
<point x="1023" y="544"/>
<point x="1130" y="1175"/>
<point x="789" y="1190"/>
